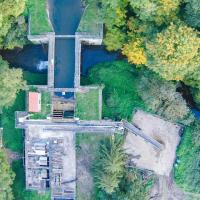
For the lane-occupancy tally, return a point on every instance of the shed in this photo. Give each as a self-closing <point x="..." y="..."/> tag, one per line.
<point x="34" y="102"/>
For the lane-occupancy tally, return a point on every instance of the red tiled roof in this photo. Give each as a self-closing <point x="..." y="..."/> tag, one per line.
<point x="34" y="102"/>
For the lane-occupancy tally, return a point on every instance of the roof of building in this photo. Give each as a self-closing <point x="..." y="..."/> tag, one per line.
<point x="34" y="100"/>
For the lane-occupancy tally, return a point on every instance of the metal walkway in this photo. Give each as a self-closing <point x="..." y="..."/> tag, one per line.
<point x="133" y="129"/>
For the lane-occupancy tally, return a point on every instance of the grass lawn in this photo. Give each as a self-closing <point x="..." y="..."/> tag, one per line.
<point x="13" y="138"/>
<point x="38" y="17"/>
<point x="87" y="146"/>
<point x="20" y="193"/>
<point x="45" y="107"/>
<point x="35" y="78"/>
<point x="87" y="105"/>
<point x="91" y="19"/>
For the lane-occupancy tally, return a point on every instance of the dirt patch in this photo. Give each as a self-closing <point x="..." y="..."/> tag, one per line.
<point x="144" y="154"/>
<point x="12" y="155"/>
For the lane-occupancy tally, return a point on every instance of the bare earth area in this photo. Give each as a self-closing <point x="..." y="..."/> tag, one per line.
<point x="144" y="155"/>
<point x="12" y="155"/>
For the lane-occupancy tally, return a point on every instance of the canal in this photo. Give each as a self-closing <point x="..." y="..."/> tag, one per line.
<point x="65" y="17"/>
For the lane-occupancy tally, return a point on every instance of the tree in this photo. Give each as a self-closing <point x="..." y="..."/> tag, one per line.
<point x="6" y="178"/>
<point x="16" y="36"/>
<point x="10" y="10"/>
<point x="114" y="12"/>
<point x="135" y="52"/>
<point x="160" y="11"/>
<point x="187" y="170"/>
<point x="114" y="39"/>
<point x="175" y="52"/>
<point x="11" y="82"/>
<point x="192" y="13"/>
<point x="110" y="165"/>
<point x="162" y="98"/>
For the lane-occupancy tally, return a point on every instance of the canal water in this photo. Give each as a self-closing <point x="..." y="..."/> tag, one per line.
<point x="65" y="17"/>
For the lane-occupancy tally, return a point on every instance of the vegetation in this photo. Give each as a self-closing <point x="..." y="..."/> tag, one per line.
<point x="175" y="52"/>
<point x="188" y="158"/>
<point x="39" y="22"/>
<point x="119" y="95"/>
<point x="11" y="25"/>
<point x="192" y="13"/>
<point x="87" y="146"/>
<point x="91" y="20"/>
<point x="19" y="189"/>
<point x="11" y="83"/>
<point x="35" y="78"/>
<point x="87" y="105"/>
<point x="13" y="138"/>
<point x="113" y="179"/>
<point x="163" y="99"/>
<point x="110" y="164"/>
<point x="6" y="177"/>
<point x="46" y="102"/>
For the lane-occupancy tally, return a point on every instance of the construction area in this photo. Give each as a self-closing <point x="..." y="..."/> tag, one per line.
<point x="146" y="156"/>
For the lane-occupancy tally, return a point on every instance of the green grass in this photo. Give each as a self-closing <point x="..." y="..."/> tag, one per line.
<point x="35" y="78"/>
<point x="87" y="105"/>
<point x="120" y="94"/>
<point x="91" y="19"/>
<point x="13" y="138"/>
<point x="39" y="22"/>
<point x="20" y="193"/>
<point x="45" y="107"/>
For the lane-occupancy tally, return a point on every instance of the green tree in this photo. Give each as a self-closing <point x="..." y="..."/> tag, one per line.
<point x="110" y="165"/>
<point x="10" y="10"/>
<point x="187" y="170"/>
<point x="114" y="39"/>
<point x="160" y="11"/>
<point x="16" y="36"/>
<point x="11" y="82"/>
<point x="6" y="178"/>
<point x="175" y="52"/>
<point x="192" y="13"/>
<point x="162" y="98"/>
<point x="114" y="12"/>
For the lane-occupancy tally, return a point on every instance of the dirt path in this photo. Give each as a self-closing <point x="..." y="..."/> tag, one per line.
<point x="12" y="155"/>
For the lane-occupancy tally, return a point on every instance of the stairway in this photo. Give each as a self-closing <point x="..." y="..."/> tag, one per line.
<point x="58" y="114"/>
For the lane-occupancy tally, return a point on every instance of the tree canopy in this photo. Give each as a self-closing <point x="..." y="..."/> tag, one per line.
<point x="192" y="13"/>
<point x="160" y="11"/>
<point x="10" y="11"/>
<point x="6" y="178"/>
<point x="11" y="82"/>
<point x="175" y="52"/>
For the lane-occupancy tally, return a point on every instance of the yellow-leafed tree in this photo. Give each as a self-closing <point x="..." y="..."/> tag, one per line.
<point x="135" y="52"/>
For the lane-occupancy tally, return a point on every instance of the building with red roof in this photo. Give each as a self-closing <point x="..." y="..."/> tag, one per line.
<point x="34" y="102"/>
